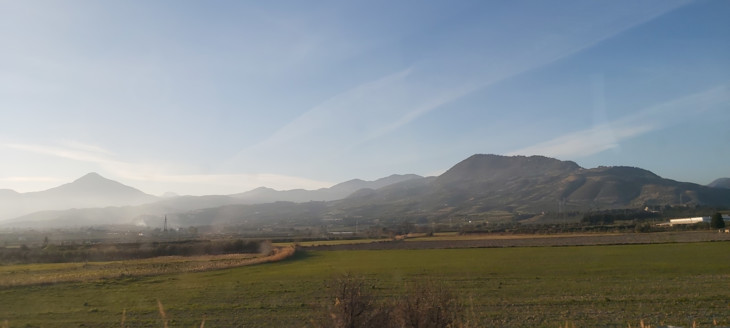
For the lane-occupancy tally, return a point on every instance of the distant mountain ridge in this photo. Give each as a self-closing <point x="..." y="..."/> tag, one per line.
<point x="91" y="190"/>
<point x="535" y="184"/>
<point x="477" y="186"/>
<point x="94" y="200"/>
<point x="484" y="185"/>
<point x="720" y="183"/>
<point x="338" y="191"/>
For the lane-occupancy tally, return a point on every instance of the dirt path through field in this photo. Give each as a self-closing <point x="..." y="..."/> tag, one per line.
<point x="50" y="273"/>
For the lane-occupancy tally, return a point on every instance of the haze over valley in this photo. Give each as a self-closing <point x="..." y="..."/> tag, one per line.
<point x="481" y="186"/>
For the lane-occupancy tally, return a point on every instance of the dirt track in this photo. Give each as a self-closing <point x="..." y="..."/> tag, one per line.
<point x="495" y="241"/>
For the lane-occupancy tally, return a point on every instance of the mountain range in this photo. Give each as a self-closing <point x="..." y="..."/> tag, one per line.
<point x="95" y="200"/>
<point x="338" y="191"/>
<point x="484" y="187"/>
<point x="91" y="190"/>
<point x="535" y="184"/>
<point x="477" y="186"/>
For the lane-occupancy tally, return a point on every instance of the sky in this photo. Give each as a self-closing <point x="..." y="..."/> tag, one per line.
<point x="201" y="97"/>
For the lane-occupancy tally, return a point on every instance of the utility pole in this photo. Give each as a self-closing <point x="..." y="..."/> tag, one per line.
<point x="165" y="230"/>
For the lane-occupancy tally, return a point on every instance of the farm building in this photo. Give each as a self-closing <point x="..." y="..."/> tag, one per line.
<point x="690" y="220"/>
<point x="698" y="219"/>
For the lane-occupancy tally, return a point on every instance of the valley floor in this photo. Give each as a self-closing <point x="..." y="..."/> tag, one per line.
<point x="588" y="286"/>
<point x="447" y="240"/>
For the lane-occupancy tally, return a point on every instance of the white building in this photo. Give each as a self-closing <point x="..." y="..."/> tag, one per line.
<point x="725" y="217"/>
<point x="689" y="220"/>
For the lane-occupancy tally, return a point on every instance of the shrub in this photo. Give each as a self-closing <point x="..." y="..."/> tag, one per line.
<point x="425" y="304"/>
<point x="351" y="305"/>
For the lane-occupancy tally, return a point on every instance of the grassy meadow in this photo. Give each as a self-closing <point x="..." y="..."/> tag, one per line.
<point x="606" y="286"/>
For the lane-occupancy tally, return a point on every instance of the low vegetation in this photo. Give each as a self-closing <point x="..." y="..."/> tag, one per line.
<point x="423" y="304"/>
<point x="717" y="222"/>
<point x="65" y="253"/>
<point x="611" y="216"/>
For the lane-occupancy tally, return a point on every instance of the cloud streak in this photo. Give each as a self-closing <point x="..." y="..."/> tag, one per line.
<point x="73" y="151"/>
<point x="203" y="184"/>
<point x="607" y="136"/>
<point x="148" y="177"/>
<point x="376" y="108"/>
<point x="32" y="179"/>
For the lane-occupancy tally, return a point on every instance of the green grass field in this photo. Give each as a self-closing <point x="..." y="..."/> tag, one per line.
<point x="606" y="286"/>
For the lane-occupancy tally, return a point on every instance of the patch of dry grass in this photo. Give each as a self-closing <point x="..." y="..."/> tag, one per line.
<point x="332" y="242"/>
<point x="50" y="273"/>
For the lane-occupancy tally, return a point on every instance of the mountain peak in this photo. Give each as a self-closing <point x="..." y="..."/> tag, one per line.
<point x="90" y="190"/>
<point x="93" y="181"/>
<point x="489" y="167"/>
<point x="95" y="189"/>
<point x="92" y="176"/>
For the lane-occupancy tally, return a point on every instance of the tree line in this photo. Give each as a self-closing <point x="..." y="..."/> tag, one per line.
<point x="49" y="253"/>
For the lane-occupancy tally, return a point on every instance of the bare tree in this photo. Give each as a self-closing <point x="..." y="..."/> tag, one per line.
<point x="352" y="305"/>
<point x="427" y="304"/>
<point x="424" y="304"/>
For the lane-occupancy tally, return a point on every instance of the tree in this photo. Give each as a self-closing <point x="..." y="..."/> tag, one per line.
<point x="717" y="221"/>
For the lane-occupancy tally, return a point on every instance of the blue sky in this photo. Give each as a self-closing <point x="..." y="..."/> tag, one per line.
<point x="221" y="97"/>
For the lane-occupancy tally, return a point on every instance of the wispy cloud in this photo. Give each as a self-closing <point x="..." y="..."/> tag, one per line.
<point x="586" y="142"/>
<point x="378" y="107"/>
<point x="32" y="179"/>
<point x="73" y="151"/>
<point x="610" y="135"/>
<point x="159" y="178"/>
<point x="102" y="158"/>
<point x="234" y="183"/>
